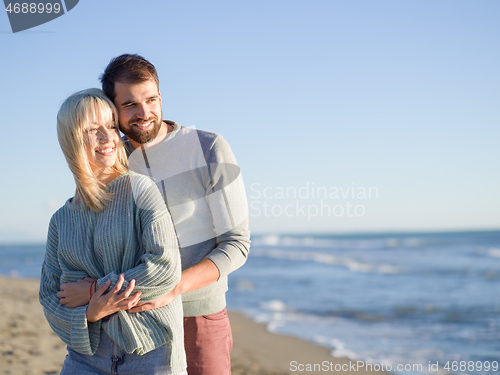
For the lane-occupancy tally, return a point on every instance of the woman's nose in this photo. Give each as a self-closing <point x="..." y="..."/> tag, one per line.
<point x="104" y="135"/>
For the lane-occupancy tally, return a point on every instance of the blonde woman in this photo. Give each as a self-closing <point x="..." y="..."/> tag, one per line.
<point x="117" y="231"/>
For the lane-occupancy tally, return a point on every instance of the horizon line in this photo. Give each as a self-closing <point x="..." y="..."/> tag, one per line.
<point x="322" y="233"/>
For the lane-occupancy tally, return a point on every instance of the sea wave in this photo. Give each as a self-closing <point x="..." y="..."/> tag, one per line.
<point x="494" y="252"/>
<point x="328" y="259"/>
<point x="315" y="242"/>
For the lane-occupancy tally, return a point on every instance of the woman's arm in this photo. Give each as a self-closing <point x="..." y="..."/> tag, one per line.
<point x="78" y="327"/>
<point x="69" y="324"/>
<point x="158" y="269"/>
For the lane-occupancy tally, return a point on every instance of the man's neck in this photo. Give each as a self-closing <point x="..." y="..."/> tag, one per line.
<point x="162" y="134"/>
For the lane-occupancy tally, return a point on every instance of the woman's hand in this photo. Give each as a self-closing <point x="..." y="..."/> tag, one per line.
<point x="76" y="294"/>
<point x="103" y="304"/>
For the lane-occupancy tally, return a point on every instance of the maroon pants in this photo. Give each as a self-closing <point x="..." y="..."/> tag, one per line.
<point x="208" y="342"/>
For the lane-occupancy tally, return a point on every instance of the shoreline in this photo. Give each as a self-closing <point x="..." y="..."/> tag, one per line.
<point x="29" y="347"/>
<point x="262" y="352"/>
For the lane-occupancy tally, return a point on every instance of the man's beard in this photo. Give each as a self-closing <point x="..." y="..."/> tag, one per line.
<point x="144" y="136"/>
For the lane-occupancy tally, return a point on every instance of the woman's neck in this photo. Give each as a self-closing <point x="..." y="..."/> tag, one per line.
<point x="105" y="175"/>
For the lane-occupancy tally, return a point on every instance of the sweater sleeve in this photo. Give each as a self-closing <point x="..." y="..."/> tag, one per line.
<point x="227" y="200"/>
<point x="159" y="267"/>
<point x="70" y="324"/>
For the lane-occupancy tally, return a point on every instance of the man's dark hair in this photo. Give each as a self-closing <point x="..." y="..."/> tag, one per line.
<point x="127" y="68"/>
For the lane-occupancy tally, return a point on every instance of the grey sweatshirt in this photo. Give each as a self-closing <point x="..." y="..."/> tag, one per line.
<point x="134" y="235"/>
<point x="202" y="186"/>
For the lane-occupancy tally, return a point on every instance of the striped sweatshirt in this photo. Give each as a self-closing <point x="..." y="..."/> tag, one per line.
<point x="133" y="235"/>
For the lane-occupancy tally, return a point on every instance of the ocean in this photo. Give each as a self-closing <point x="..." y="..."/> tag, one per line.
<point x="417" y="303"/>
<point x="399" y="299"/>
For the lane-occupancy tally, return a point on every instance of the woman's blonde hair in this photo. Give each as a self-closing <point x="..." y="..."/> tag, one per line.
<point x="73" y="119"/>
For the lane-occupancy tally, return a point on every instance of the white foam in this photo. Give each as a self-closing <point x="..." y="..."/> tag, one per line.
<point x="271" y="240"/>
<point x="494" y="252"/>
<point x="344" y="353"/>
<point x="353" y="264"/>
<point x="274" y="305"/>
<point x="245" y="285"/>
<point x="328" y="341"/>
<point x="373" y="243"/>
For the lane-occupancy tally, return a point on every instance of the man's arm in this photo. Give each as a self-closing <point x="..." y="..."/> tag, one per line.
<point x="228" y="206"/>
<point x="196" y="277"/>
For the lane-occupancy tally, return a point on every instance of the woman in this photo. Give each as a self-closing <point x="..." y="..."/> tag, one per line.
<point x="116" y="229"/>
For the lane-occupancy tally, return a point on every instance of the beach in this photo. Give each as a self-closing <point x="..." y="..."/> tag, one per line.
<point x="29" y="347"/>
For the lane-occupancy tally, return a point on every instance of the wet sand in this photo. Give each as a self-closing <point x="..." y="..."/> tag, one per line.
<point x="29" y="347"/>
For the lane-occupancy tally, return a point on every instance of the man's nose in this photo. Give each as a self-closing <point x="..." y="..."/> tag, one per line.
<point x="142" y="111"/>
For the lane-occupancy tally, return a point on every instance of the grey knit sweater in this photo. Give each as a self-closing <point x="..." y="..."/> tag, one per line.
<point x="134" y="235"/>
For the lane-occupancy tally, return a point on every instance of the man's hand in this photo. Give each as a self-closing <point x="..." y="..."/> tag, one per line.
<point x="103" y="304"/>
<point x="196" y="277"/>
<point x="76" y="294"/>
<point x="160" y="302"/>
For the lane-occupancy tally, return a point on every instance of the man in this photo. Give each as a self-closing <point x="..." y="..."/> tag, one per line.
<point x="201" y="183"/>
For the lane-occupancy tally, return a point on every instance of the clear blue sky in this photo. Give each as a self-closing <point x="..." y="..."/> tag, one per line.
<point x="400" y="96"/>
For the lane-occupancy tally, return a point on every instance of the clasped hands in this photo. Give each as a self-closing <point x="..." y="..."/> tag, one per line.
<point x="103" y="302"/>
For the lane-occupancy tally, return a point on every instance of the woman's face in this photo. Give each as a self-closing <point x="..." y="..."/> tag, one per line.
<point x="101" y="140"/>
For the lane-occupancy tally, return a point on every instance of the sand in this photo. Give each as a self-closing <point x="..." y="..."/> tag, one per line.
<point x="27" y="344"/>
<point x="29" y="347"/>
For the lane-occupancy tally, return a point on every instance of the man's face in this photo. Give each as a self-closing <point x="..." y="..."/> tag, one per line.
<point x="139" y="110"/>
